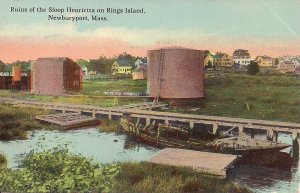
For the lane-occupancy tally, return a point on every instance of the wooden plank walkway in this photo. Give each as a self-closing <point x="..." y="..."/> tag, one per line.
<point x="214" y="163"/>
<point x="272" y="126"/>
<point x="68" y="120"/>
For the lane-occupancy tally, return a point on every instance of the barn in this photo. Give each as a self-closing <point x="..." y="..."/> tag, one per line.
<point x="55" y="76"/>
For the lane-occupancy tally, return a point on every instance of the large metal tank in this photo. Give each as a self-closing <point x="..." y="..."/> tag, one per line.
<point x="177" y="75"/>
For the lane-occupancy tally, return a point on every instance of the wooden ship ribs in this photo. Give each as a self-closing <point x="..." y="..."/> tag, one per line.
<point x="167" y="135"/>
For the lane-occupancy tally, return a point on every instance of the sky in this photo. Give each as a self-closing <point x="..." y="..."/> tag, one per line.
<point x="270" y="27"/>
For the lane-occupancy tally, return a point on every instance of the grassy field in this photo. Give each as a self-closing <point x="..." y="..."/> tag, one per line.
<point x="16" y="122"/>
<point x="122" y="85"/>
<point x="255" y="97"/>
<point x="91" y="94"/>
<point x="269" y="97"/>
<point x="60" y="171"/>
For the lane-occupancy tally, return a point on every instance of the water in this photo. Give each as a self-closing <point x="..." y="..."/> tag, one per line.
<point x="267" y="180"/>
<point x="107" y="148"/>
<point x="101" y="147"/>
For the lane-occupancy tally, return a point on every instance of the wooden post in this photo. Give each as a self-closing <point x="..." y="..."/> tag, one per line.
<point x="167" y="122"/>
<point x="252" y="133"/>
<point x="215" y="128"/>
<point x="241" y="130"/>
<point x="295" y="144"/>
<point x="109" y="115"/>
<point x="148" y="120"/>
<point x="64" y="111"/>
<point x="192" y="124"/>
<point x="270" y="134"/>
<point x="275" y="136"/>
<point x="94" y="114"/>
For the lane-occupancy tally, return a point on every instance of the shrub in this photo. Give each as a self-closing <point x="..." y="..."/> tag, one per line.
<point x="58" y="171"/>
<point x="253" y="68"/>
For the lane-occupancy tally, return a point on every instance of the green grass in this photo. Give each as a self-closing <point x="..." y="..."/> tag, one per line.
<point x="122" y="85"/>
<point x="151" y="178"/>
<point x="273" y="97"/>
<point x="16" y="122"/>
<point x="268" y="97"/>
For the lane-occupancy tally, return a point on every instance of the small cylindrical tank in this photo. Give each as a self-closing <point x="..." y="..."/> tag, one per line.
<point x="177" y="75"/>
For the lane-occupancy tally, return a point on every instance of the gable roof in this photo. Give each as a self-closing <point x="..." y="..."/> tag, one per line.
<point x="265" y="57"/>
<point x="219" y="55"/>
<point x="144" y="60"/>
<point x="241" y="52"/>
<point x="123" y="62"/>
<point x="57" y="60"/>
<point x="54" y="59"/>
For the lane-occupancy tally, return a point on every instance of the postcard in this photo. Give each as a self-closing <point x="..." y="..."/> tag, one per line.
<point x="139" y="96"/>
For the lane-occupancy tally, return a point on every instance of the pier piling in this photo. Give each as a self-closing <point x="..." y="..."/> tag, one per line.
<point x="215" y="128"/>
<point x="295" y="147"/>
<point x="241" y="130"/>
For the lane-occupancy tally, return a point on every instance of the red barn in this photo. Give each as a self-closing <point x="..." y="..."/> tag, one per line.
<point x="55" y="76"/>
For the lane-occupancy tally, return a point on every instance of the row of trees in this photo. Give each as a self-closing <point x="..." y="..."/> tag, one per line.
<point x="25" y="66"/>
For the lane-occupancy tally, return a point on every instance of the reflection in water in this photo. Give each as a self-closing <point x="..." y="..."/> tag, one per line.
<point x="107" y="148"/>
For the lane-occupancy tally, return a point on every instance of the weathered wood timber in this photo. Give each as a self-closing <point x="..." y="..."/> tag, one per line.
<point x="214" y="163"/>
<point x="68" y="120"/>
<point x="166" y="135"/>
<point x="265" y="125"/>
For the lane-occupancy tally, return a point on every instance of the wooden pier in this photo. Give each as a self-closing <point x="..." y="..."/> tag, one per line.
<point x="213" y="163"/>
<point x="272" y="128"/>
<point x="68" y="120"/>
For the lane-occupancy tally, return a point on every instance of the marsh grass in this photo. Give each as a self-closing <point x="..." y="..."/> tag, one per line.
<point x="151" y="178"/>
<point x="110" y="126"/>
<point x="3" y="161"/>
<point x="254" y="97"/>
<point x="17" y="121"/>
<point x="269" y="97"/>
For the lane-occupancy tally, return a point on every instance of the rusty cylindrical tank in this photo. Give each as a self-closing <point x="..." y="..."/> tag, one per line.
<point x="177" y="75"/>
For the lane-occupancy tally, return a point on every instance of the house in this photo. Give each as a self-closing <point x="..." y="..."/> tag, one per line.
<point x="288" y="66"/>
<point x="265" y="61"/>
<point x="222" y="59"/>
<point x="121" y="67"/>
<point x="140" y="73"/>
<point x="140" y="61"/>
<point x="296" y="61"/>
<point x="208" y="59"/>
<point x="84" y="70"/>
<point x="55" y="76"/>
<point x="14" y="78"/>
<point x="241" y="57"/>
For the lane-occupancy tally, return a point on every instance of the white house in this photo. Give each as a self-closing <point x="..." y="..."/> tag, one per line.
<point x="84" y="70"/>
<point x="139" y="62"/>
<point x="241" y="57"/>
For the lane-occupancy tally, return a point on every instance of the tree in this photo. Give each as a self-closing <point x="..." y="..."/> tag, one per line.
<point x="2" y="66"/>
<point x="209" y="64"/>
<point x="276" y="62"/>
<point x="253" y="68"/>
